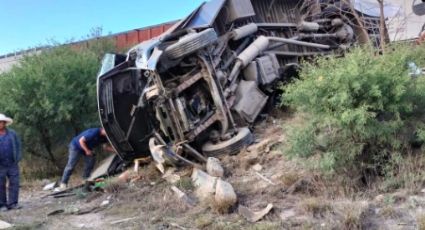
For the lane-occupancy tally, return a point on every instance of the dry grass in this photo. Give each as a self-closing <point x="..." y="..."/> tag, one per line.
<point x="351" y="220"/>
<point x="421" y="221"/>
<point x="203" y="221"/>
<point x="227" y="225"/>
<point x="36" y="169"/>
<point x="388" y="212"/>
<point x="289" y="178"/>
<point x="114" y="185"/>
<point x="265" y="226"/>
<point x="407" y="173"/>
<point x="316" y="206"/>
<point x="157" y="206"/>
<point x="345" y="215"/>
<point x="217" y="207"/>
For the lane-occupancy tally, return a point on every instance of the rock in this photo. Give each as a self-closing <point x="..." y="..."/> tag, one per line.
<point x="257" y="167"/>
<point x="379" y="198"/>
<point x="45" y="181"/>
<point x="5" y="225"/>
<point x="287" y="214"/>
<point x="49" y="186"/>
<point x="252" y="216"/>
<point x="214" y="167"/>
<point x="204" y="183"/>
<point x="104" y="203"/>
<point x="71" y="209"/>
<point x="225" y="196"/>
<point x="182" y="196"/>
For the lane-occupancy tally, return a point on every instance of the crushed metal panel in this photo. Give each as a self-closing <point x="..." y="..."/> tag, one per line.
<point x="206" y="15"/>
<point x="108" y="63"/>
<point x="103" y="168"/>
<point x="269" y="68"/>
<point x="240" y="9"/>
<point x="250" y="100"/>
<point x="264" y="70"/>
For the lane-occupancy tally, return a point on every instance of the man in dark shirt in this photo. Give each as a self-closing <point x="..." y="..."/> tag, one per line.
<point x="10" y="155"/>
<point x="83" y="145"/>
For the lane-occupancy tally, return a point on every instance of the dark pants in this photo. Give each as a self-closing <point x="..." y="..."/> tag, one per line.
<point x="10" y="173"/>
<point x="74" y="156"/>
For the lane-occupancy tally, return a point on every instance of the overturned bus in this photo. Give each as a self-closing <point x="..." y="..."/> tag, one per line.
<point x="196" y="90"/>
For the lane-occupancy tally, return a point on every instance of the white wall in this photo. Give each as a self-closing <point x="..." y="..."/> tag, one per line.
<point x="405" y="25"/>
<point x="7" y="63"/>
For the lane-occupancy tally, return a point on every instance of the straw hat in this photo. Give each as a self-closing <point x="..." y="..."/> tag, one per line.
<point x="8" y="120"/>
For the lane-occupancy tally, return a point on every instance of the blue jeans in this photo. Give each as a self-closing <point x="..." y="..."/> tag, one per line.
<point x="10" y="173"/>
<point x="74" y="156"/>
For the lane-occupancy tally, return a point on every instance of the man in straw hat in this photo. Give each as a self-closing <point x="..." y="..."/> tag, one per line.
<point x="10" y="155"/>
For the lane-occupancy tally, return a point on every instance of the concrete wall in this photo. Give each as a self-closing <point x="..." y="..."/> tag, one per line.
<point x="122" y="41"/>
<point x="6" y="63"/>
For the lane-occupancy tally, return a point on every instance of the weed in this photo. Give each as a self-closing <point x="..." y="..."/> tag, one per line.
<point x="389" y="200"/>
<point x="80" y="193"/>
<point x="185" y="183"/>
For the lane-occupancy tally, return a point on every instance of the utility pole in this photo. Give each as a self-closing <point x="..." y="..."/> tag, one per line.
<point x="382" y="26"/>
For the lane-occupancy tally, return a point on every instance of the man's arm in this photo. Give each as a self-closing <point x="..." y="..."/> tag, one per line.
<point x="109" y="148"/>
<point x="83" y="145"/>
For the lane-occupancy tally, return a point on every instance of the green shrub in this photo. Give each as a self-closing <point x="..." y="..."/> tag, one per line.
<point x="360" y="109"/>
<point x="51" y="96"/>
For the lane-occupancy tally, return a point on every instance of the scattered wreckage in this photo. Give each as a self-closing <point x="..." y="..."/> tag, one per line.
<point x="194" y="91"/>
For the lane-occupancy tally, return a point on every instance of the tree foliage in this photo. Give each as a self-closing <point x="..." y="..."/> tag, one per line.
<point x="52" y="95"/>
<point x="361" y="109"/>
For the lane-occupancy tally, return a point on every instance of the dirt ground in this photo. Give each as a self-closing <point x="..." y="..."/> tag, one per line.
<point x="260" y="175"/>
